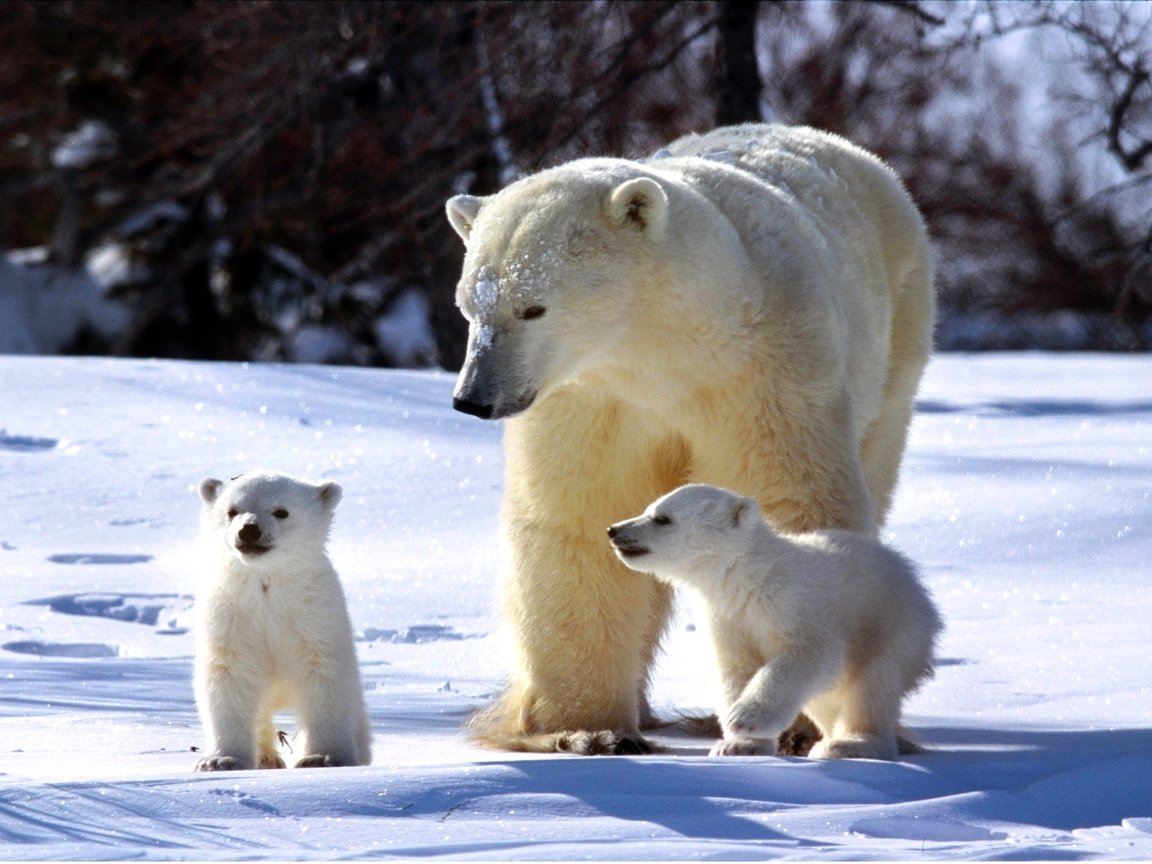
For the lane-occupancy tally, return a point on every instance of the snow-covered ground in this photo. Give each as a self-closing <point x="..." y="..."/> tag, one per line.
<point x="1026" y="497"/>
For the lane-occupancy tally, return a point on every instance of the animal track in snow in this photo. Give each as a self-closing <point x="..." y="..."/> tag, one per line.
<point x="86" y="650"/>
<point x="246" y="800"/>
<point x="97" y="558"/>
<point x="26" y="443"/>
<point x="917" y="828"/>
<point x="166" y="612"/>
<point x="417" y="634"/>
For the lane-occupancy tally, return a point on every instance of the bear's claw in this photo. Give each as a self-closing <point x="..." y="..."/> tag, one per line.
<point x="604" y="743"/>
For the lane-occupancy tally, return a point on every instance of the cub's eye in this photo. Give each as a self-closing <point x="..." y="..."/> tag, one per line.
<point x="661" y="520"/>
<point x="280" y="513"/>
<point x="531" y="313"/>
<point x="232" y="514"/>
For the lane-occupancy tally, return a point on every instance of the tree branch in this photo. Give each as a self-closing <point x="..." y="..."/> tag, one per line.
<point x="1132" y="159"/>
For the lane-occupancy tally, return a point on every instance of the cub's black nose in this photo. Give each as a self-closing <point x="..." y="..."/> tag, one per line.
<point x="467" y="406"/>
<point x="250" y="533"/>
<point x="612" y="532"/>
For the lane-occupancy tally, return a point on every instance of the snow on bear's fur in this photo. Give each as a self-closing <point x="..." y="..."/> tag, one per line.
<point x="750" y="308"/>
<point x="272" y="628"/>
<point x="829" y="622"/>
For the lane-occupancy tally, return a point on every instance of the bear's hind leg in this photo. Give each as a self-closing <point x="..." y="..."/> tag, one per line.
<point x="855" y="747"/>
<point x="267" y="753"/>
<point x="913" y="314"/>
<point x="866" y="724"/>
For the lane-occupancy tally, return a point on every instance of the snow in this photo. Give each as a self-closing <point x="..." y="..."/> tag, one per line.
<point x="493" y="113"/>
<point x="1026" y="497"/>
<point x="314" y="343"/>
<point x="164" y="210"/>
<point x="405" y="333"/>
<point x="485" y="336"/>
<point x="112" y="265"/>
<point x="90" y="142"/>
<point x="486" y="292"/>
<point x="44" y="306"/>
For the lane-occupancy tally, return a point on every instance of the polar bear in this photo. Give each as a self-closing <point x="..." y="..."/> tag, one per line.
<point x="272" y="627"/>
<point x="831" y="622"/>
<point x="751" y="308"/>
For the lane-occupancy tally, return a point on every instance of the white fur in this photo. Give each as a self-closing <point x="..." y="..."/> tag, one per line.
<point x="752" y="310"/>
<point x="272" y="628"/>
<point x="829" y="622"/>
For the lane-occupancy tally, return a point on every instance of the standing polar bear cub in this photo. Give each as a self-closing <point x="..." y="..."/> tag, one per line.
<point x="828" y="622"/>
<point x="272" y="628"/>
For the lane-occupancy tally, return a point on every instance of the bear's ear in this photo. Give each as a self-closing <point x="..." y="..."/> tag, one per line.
<point x="640" y="203"/>
<point x="330" y="494"/>
<point x="209" y="490"/>
<point x="462" y="212"/>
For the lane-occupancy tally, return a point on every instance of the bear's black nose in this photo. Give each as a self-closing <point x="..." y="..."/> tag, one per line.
<point x="467" y="406"/>
<point x="250" y="533"/>
<point x="612" y="532"/>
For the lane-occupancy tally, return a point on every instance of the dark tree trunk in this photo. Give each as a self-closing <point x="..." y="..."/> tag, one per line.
<point x="738" y="79"/>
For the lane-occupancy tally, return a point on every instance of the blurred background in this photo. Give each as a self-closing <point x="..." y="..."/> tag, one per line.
<point x="256" y="180"/>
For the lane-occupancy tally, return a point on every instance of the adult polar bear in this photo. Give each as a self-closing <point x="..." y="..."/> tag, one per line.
<point x="750" y="308"/>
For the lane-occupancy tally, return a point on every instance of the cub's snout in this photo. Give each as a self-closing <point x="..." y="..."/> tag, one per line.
<point x="251" y="541"/>
<point x="624" y="541"/>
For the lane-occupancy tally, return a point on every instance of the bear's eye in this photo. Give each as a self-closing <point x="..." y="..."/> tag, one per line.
<point x="661" y="520"/>
<point x="233" y="513"/>
<point x="531" y="313"/>
<point x="280" y="513"/>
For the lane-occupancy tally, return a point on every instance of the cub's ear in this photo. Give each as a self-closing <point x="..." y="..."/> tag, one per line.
<point x="209" y="490"/>
<point x="641" y="203"/>
<point x="330" y="494"/>
<point x="462" y="212"/>
<point x="744" y="509"/>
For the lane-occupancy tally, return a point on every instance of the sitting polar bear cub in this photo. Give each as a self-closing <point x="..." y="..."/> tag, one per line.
<point x="830" y="622"/>
<point x="272" y="628"/>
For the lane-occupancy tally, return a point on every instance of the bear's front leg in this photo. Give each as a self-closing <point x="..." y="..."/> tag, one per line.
<point x="331" y="709"/>
<point x="778" y="691"/>
<point x="585" y="628"/>
<point x="584" y="638"/>
<point x="227" y="707"/>
<point x="738" y="660"/>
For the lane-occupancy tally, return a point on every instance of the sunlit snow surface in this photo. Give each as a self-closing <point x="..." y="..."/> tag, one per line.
<point x="1026" y="497"/>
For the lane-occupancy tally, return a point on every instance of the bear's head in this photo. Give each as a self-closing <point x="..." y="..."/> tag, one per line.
<point x="688" y="536"/>
<point x="550" y="276"/>
<point x="262" y="518"/>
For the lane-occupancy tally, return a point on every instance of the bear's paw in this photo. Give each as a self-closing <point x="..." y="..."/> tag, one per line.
<point x="222" y="763"/>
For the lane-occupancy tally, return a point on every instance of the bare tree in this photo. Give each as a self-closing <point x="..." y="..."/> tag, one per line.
<point x="738" y="83"/>
<point x="272" y="166"/>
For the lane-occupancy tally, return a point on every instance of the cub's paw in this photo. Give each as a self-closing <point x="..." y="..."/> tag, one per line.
<point x="743" y="747"/>
<point x="753" y="720"/>
<point x="271" y="760"/>
<point x="799" y="738"/>
<point x="321" y="760"/>
<point x="221" y="763"/>
<point x="856" y="747"/>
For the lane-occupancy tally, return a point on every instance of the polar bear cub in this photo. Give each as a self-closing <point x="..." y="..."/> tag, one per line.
<point x="272" y="627"/>
<point x="831" y="623"/>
